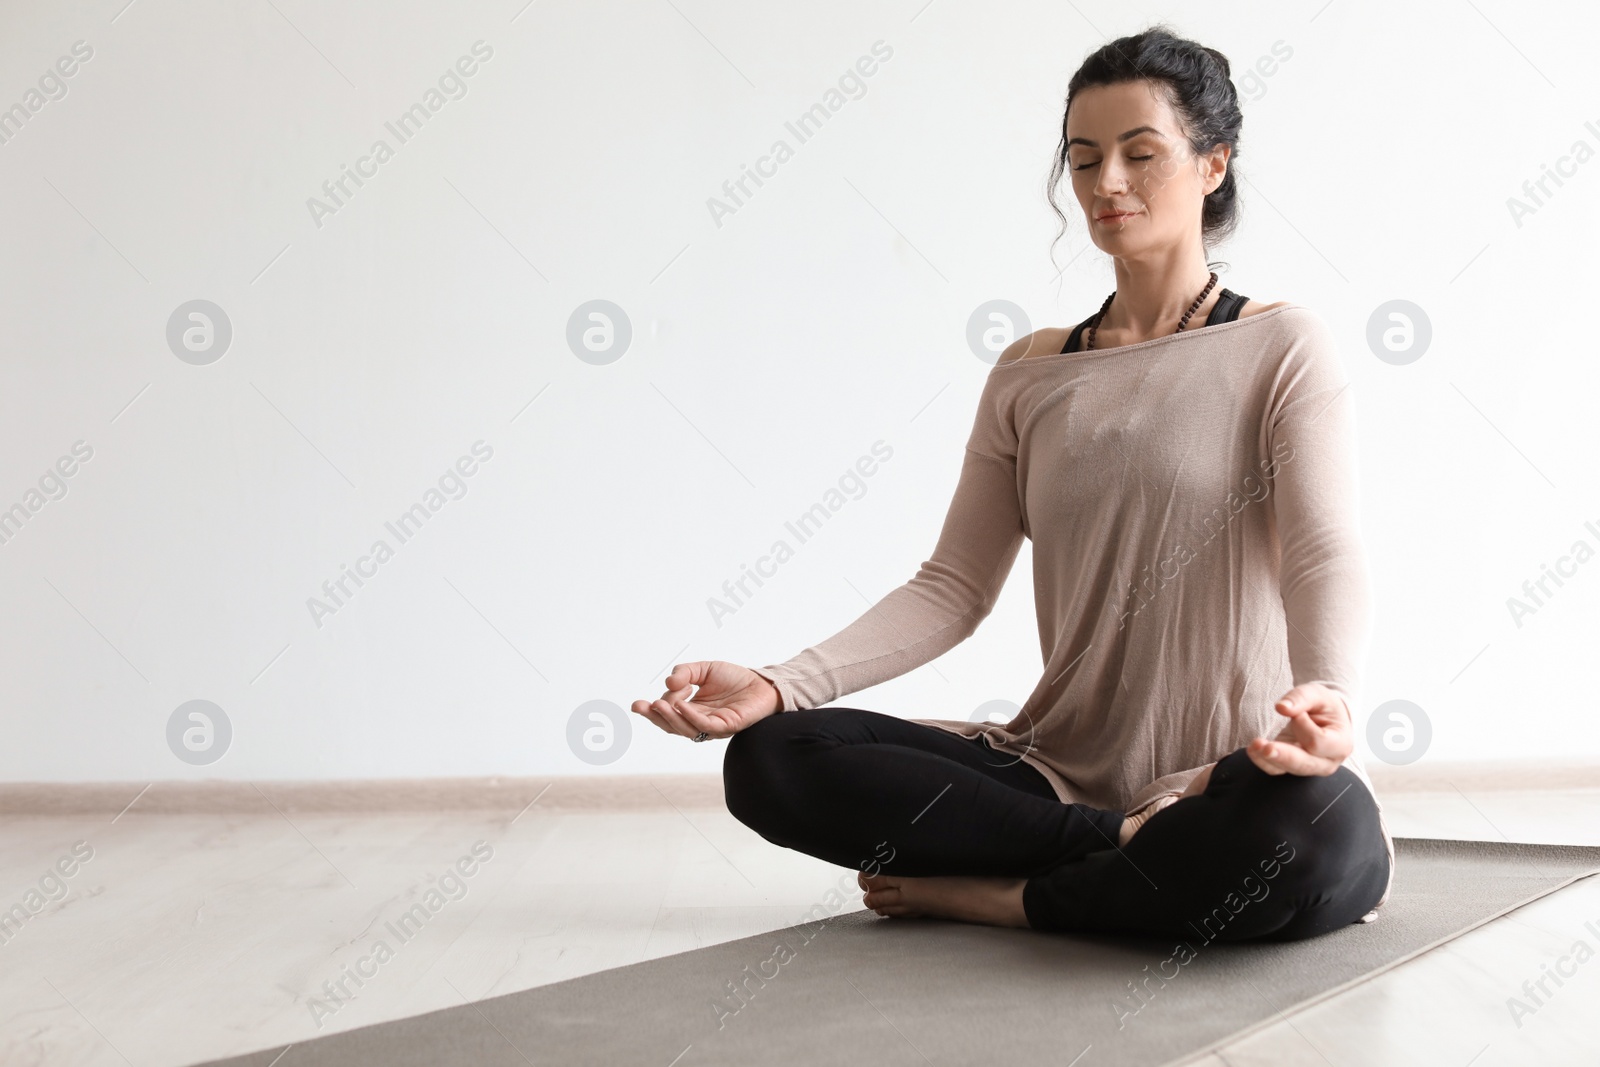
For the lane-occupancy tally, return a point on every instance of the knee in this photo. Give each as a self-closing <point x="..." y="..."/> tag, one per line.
<point x="1293" y="798"/>
<point x="752" y="769"/>
<point x="1335" y="808"/>
<point x="1319" y="828"/>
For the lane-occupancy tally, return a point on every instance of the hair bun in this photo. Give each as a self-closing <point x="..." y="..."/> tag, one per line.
<point x="1222" y="61"/>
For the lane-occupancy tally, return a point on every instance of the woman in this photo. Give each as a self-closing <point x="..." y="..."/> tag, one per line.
<point x="1183" y="463"/>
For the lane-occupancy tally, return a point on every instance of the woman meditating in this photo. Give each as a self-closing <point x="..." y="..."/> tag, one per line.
<point x="1183" y="462"/>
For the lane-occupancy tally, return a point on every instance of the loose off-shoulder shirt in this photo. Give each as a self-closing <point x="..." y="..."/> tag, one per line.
<point x="1191" y="502"/>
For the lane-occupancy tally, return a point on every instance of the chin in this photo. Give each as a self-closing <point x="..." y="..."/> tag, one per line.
<point x="1117" y="241"/>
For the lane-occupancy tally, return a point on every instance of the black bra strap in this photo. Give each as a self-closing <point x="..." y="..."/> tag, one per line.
<point x="1227" y="307"/>
<point x="1077" y="332"/>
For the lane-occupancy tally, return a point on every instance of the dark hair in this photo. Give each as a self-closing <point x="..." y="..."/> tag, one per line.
<point x="1197" y="84"/>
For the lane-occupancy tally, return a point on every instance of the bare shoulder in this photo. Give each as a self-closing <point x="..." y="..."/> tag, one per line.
<point x="1041" y="342"/>
<point x="1050" y="340"/>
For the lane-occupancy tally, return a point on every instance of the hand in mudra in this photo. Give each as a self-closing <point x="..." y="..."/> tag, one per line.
<point x="726" y="699"/>
<point x="1316" y="739"/>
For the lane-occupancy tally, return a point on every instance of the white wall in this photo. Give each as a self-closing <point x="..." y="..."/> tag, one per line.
<point x="768" y="354"/>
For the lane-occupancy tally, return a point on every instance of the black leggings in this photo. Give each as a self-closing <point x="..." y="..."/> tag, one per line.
<point x="1276" y="857"/>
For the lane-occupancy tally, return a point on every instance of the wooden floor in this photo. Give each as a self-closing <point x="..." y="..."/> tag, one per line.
<point x="187" y="936"/>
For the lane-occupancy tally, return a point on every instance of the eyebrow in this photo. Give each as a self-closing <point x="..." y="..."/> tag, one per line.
<point x="1120" y="137"/>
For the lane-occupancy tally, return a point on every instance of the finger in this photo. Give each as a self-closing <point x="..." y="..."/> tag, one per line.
<point x="1278" y="757"/>
<point x="1305" y="730"/>
<point x="1302" y="694"/>
<point x="1331" y="713"/>
<point x="1290" y="757"/>
<point x="1301" y="709"/>
<point x="1269" y="768"/>
<point x="702" y="722"/>
<point x="643" y="707"/>
<point x="1340" y="708"/>
<point x="1289" y="705"/>
<point x="684" y="675"/>
<point x="678" y="688"/>
<point x="1315" y="698"/>
<point x="1265" y="764"/>
<point x="1268" y="755"/>
<point x="1323" y="730"/>
<point x="673" y="718"/>
<point x="650" y="713"/>
<point x="693" y="720"/>
<point x="676" y="696"/>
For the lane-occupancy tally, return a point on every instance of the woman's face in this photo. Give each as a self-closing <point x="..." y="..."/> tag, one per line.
<point x="1139" y="183"/>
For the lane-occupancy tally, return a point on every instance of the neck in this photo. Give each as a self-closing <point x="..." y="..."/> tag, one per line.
<point x="1154" y="290"/>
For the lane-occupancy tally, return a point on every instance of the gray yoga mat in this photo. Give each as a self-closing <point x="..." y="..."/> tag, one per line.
<point x="855" y="988"/>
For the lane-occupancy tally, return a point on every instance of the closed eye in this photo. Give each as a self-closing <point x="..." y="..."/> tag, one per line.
<point x="1136" y="159"/>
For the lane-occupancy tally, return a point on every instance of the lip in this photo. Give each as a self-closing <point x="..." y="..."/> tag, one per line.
<point x="1116" y="216"/>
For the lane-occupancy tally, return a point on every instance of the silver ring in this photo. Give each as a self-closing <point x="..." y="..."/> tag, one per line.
<point x="702" y="736"/>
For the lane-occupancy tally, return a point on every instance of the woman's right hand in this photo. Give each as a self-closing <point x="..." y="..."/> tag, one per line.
<point x="728" y="698"/>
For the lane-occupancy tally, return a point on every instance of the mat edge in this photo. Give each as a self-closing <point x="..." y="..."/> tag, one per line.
<point x="1190" y="1059"/>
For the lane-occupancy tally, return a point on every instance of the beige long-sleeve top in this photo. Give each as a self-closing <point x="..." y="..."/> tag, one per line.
<point x="1192" y="505"/>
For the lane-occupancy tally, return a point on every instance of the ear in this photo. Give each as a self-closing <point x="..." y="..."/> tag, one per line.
<point x="1214" y="167"/>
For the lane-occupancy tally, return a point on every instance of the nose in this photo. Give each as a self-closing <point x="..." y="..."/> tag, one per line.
<point x="1113" y="180"/>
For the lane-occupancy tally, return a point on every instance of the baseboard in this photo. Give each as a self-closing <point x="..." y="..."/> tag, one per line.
<point x="218" y="796"/>
<point x="612" y="792"/>
<point x="1498" y="776"/>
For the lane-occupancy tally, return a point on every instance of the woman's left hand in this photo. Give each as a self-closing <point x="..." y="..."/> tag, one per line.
<point x="1317" y="738"/>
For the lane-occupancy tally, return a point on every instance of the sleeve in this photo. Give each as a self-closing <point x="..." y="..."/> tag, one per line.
<point x="1323" y="579"/>
<point x="1324" y="575"/>
<point x="951" y="593"/>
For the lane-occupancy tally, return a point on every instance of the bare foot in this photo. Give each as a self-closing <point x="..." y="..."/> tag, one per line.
<point x="993" y="901"/>
<point x="1197" y="784"/>
<point x="1131" y="824"/>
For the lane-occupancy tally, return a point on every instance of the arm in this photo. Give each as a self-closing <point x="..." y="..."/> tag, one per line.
<point x="943" y="603"/>
<point x="951" y="593"/>
<point x="1324" y="579"/>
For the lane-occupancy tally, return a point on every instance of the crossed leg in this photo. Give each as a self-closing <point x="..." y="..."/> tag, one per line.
<point x="941" y="825"/>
